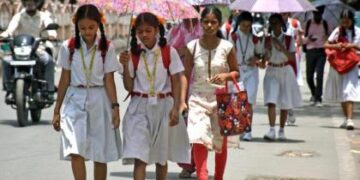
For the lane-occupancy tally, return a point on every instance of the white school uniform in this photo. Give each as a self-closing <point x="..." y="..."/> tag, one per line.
<point x="249" y="75"/>
<point x="280" y="86"/>
<point x="147" y="134"/>
<point x="86" y="114"/>
<point x="346" y="87"/>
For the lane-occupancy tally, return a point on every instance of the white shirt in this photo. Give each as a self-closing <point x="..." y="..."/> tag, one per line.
<point x="245" y="44"/>
<point x="335" y="34"/>
<point x="277" y="56"/>
<point x="162" y="79"/>
<point x="23" y="23"/>
<point x="78" y="76"/>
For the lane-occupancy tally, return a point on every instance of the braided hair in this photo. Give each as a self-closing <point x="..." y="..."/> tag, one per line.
<point x="151" y="20"/>
<point x="347" y="14"/>
<point x="89" y="11"/>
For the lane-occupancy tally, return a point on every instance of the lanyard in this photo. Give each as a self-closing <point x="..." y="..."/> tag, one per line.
<point x="243" y="51"/>
<point x="85" y="68"/>
<point x="150" y="76"/>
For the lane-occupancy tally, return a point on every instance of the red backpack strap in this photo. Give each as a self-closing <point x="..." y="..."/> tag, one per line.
<point x="103" y="52"/>
<point x="267" y="41"/>
<point x="71" y="47"/>
<point x="255" y="39"/>
<point x="287" y="41"/>
<point x="234" y="38"/>
<point x="165" y="54"/>
<point x="227" y="29"/>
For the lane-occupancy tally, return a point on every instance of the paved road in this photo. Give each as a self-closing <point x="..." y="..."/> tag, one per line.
<point x="327" y="152"/>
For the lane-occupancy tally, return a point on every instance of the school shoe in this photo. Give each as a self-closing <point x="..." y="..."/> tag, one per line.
<point x="349" y="124"/>
<point x="247" y="136"/>
<point x="291" y="118"/>
<point x="318" y="104"/>
<point x="343" y="124"/>
<point x="270" y="136"/>
<point x="281" y="135"/>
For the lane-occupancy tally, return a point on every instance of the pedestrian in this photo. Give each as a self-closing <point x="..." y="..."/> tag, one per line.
<point x="280" y="87"/>
<point x="209" y="62"/>
<point x="152" y="130"/>
<point x="180" y="35"/>
<point x="293" y="28"/>
<point x="248" y="49"/>
<point x="345" y="88"/>
<point x="89" y="118"/>
<point x="316" y="32"/>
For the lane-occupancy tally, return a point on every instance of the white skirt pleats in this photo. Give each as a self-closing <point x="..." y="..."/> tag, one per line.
<point x="148" y="136"/>
<point x="343" y="88"/>
<point x="281" y="88"/>
<point x="86" y="126"/>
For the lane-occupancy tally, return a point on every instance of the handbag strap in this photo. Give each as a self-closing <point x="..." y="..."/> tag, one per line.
<point x="209" y="65"/>
<point x="234" y="82"/>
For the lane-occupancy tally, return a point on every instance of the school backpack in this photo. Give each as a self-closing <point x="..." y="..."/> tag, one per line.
<point x="235" y="37"/>
<point x="307" y="27"/>
<point x="165" y="54"/>
<point x="72" y="46"/>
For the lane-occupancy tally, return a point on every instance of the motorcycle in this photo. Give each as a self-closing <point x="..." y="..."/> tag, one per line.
<point x="29" y="87"/>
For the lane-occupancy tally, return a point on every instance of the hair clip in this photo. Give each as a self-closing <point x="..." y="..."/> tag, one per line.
<point x="102" y="17"/>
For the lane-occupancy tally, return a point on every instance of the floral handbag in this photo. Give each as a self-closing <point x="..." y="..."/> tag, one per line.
<point x="233" y="109"/>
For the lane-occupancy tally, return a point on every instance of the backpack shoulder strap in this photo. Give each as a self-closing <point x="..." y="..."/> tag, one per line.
<point x="166" y="57"/>
<point x="307" y="27"/>
<point x="267" y="41"/>
<point x="287" y="41"/>
<point x="71" y="47"/>
<point x="255" y="39"/>
<point x="234" y="38"/>
<point x="326" y="27"/>
<point x="103" y="52"/>
<point x="227" y="29"/>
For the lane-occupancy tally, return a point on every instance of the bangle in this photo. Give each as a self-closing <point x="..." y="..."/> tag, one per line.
<point x="115" y="104"/>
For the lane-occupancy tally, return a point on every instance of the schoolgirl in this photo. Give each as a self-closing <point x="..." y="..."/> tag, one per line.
<point x="89" y="117"/>
<point x="280" y="86"/>
<point x="248" y="48"/>
<point x="345" y="88"/>
<point x="152" y="130"/>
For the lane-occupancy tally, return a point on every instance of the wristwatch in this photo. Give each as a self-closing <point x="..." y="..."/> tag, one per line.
<point x="115" y="104"/>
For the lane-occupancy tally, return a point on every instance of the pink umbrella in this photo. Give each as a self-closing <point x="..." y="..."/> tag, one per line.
<point x="272" y="6"/>
<point x="208" y="2"/>
<point x="167" y="9"/>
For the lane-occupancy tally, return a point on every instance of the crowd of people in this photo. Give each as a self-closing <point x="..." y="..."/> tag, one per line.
<point x="171" y="79"/>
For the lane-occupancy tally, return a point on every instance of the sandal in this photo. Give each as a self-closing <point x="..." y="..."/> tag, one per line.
<point x="185" y="174"/>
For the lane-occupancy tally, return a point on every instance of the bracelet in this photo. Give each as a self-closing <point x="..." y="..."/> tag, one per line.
<point x="115" y="104"/>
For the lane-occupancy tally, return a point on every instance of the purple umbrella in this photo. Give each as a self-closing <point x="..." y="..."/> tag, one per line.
<point x="272" y="6"/>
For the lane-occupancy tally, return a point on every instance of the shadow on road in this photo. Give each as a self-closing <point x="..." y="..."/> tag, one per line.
<point x="152" y="175"/>
<point x="262" y="140"/>
<point x="14" y="123"/>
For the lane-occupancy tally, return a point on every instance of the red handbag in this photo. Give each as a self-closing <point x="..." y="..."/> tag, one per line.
<point x="342" y="61"/>
<point x="233" y="110"/>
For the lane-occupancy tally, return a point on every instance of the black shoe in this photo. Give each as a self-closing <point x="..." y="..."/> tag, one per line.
<point x="9" y="97"/>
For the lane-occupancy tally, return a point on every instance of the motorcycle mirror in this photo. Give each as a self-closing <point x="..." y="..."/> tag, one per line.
<point x="52" y="26"/>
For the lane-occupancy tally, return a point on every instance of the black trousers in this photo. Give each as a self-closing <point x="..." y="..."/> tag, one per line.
<point x="315" y="62"/>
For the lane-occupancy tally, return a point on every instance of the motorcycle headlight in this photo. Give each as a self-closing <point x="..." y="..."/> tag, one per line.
<point x="23" y="52"/>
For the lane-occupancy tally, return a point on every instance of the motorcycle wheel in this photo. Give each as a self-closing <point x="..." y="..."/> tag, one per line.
<point x="21" y="109"/>
<point x="35" y="115"/>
